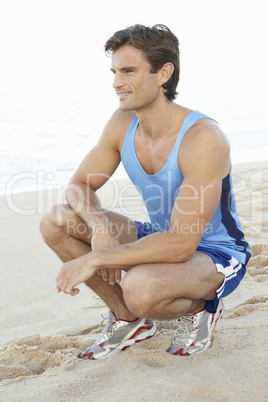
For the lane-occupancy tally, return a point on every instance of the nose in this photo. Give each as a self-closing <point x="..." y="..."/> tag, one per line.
<point x="117" y="81"/>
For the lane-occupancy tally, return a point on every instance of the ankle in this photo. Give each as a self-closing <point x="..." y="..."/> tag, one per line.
<point x="196" y="307"/>
<point x="124" y="315"/>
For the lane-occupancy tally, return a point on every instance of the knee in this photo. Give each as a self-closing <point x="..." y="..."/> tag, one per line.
<point x="138" y="294"/>
<point x="51" y="226"/>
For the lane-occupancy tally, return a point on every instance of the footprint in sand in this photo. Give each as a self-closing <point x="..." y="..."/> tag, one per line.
<point x="33" y="355"/>
<point x="258" y="264"/>
<point x="255" y="302"/>
<point x="257" y="268"/>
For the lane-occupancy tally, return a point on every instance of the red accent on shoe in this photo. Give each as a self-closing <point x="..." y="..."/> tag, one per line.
<point x="119" y="319"/>
<point x="180" y="353"/>
<point x="219" y="316"/>
<point x="213" y="316"/>
<point x="192" y="314"/>
<point x="140" y="329"/>
<point x="202" y="309"/>
<point x="87" y="355"/>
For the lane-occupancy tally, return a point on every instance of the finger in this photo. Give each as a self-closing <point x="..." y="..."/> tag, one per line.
<point x="72" y="291"/>
<point x="111" y="276"/>
<point x="59" y="283"/>
<point x="75" y="292"/>
<point x="118" y="275"/>
<point x="98" y="271"/>
<point x="64" y="286"/>
<point x="104" y="273"/>
<point x="69" y="288"/>
<point x="61" y="278"/>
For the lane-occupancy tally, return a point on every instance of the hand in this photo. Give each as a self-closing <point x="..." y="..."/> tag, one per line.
<point x="101" y="240"/>
<point x="113" y="275"/>
<point x="75" y="272"/>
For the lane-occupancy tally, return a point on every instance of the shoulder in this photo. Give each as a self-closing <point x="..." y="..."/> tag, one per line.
<point x="207" y="132"/>
<point x="117" y="126"/>
<point x="205" y="143"/>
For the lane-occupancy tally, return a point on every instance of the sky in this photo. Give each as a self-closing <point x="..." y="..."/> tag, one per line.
<point x="57" y="45"/>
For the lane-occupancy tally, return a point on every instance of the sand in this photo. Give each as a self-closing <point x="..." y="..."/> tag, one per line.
<point x="43" y="331"/>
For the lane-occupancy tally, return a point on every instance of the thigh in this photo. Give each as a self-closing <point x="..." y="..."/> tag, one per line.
<point x="194" y="279"/>
<point x="63" y="216"/>
<point x="124" y="227"/>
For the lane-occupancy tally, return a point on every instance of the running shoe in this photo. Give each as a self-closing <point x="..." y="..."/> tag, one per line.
<point x="194" y="332"/>
<point x="118" y="335"/>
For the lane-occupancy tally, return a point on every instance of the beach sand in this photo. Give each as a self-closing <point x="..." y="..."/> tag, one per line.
<point x="42" y="331"/>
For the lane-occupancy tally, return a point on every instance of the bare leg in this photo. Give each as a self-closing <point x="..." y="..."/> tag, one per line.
<point x="161" y="291"/>
<point x="167" y="291"/>
<point x="68" y="236"/>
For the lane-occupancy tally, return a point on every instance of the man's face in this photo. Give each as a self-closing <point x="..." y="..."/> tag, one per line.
<point x="135" y="85"/>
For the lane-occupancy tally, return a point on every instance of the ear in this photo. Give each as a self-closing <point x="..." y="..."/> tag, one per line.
<point x="166" y="72"/>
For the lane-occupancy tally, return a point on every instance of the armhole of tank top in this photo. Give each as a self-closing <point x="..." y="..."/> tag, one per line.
<point x="128" y="136"/>
<point x="184" y="128"/>
<point x="188" y="122"/>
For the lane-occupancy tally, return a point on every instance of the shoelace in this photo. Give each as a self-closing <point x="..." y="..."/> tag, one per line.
<point x="107" y="331"/>
<point x="184" y="329"/>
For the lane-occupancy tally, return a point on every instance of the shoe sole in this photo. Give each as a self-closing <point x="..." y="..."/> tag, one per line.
<point x="124" y="345"/>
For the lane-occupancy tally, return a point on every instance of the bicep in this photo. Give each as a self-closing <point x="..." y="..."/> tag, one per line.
<point x="196" y="203"/>
<point x="101" y="162"/>
<point x="204" y="163"/>
<point x="97" y="166"/>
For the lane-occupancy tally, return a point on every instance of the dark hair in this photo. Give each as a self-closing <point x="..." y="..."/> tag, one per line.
<point x="159" y="46"/>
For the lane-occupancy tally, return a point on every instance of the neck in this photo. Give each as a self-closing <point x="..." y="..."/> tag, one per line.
<point x="158" y="119"/>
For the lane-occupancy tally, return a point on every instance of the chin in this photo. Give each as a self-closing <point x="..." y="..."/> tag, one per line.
<point x="125" y="108"/>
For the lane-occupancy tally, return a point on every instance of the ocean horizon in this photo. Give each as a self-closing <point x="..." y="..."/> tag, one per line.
<point x="46" y="135"/>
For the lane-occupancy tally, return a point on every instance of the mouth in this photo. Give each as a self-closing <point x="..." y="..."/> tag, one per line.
<point x="123" y="95"/>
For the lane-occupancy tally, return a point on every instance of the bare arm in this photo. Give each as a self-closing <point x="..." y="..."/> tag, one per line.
<point x="204" y="162"/>
<point x="94" y="171"/>
<point x="96" y="168"/>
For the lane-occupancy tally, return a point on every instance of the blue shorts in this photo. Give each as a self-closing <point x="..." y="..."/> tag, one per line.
<point x="232" y="269"/>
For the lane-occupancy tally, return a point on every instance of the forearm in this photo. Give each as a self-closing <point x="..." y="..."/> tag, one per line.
<point x="85" y="203"/>
<point x="162" y="247"/>
<point x="156" y="248"/>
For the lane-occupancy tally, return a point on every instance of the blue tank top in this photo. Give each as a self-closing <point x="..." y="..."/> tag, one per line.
<point x="159" y="191"/>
